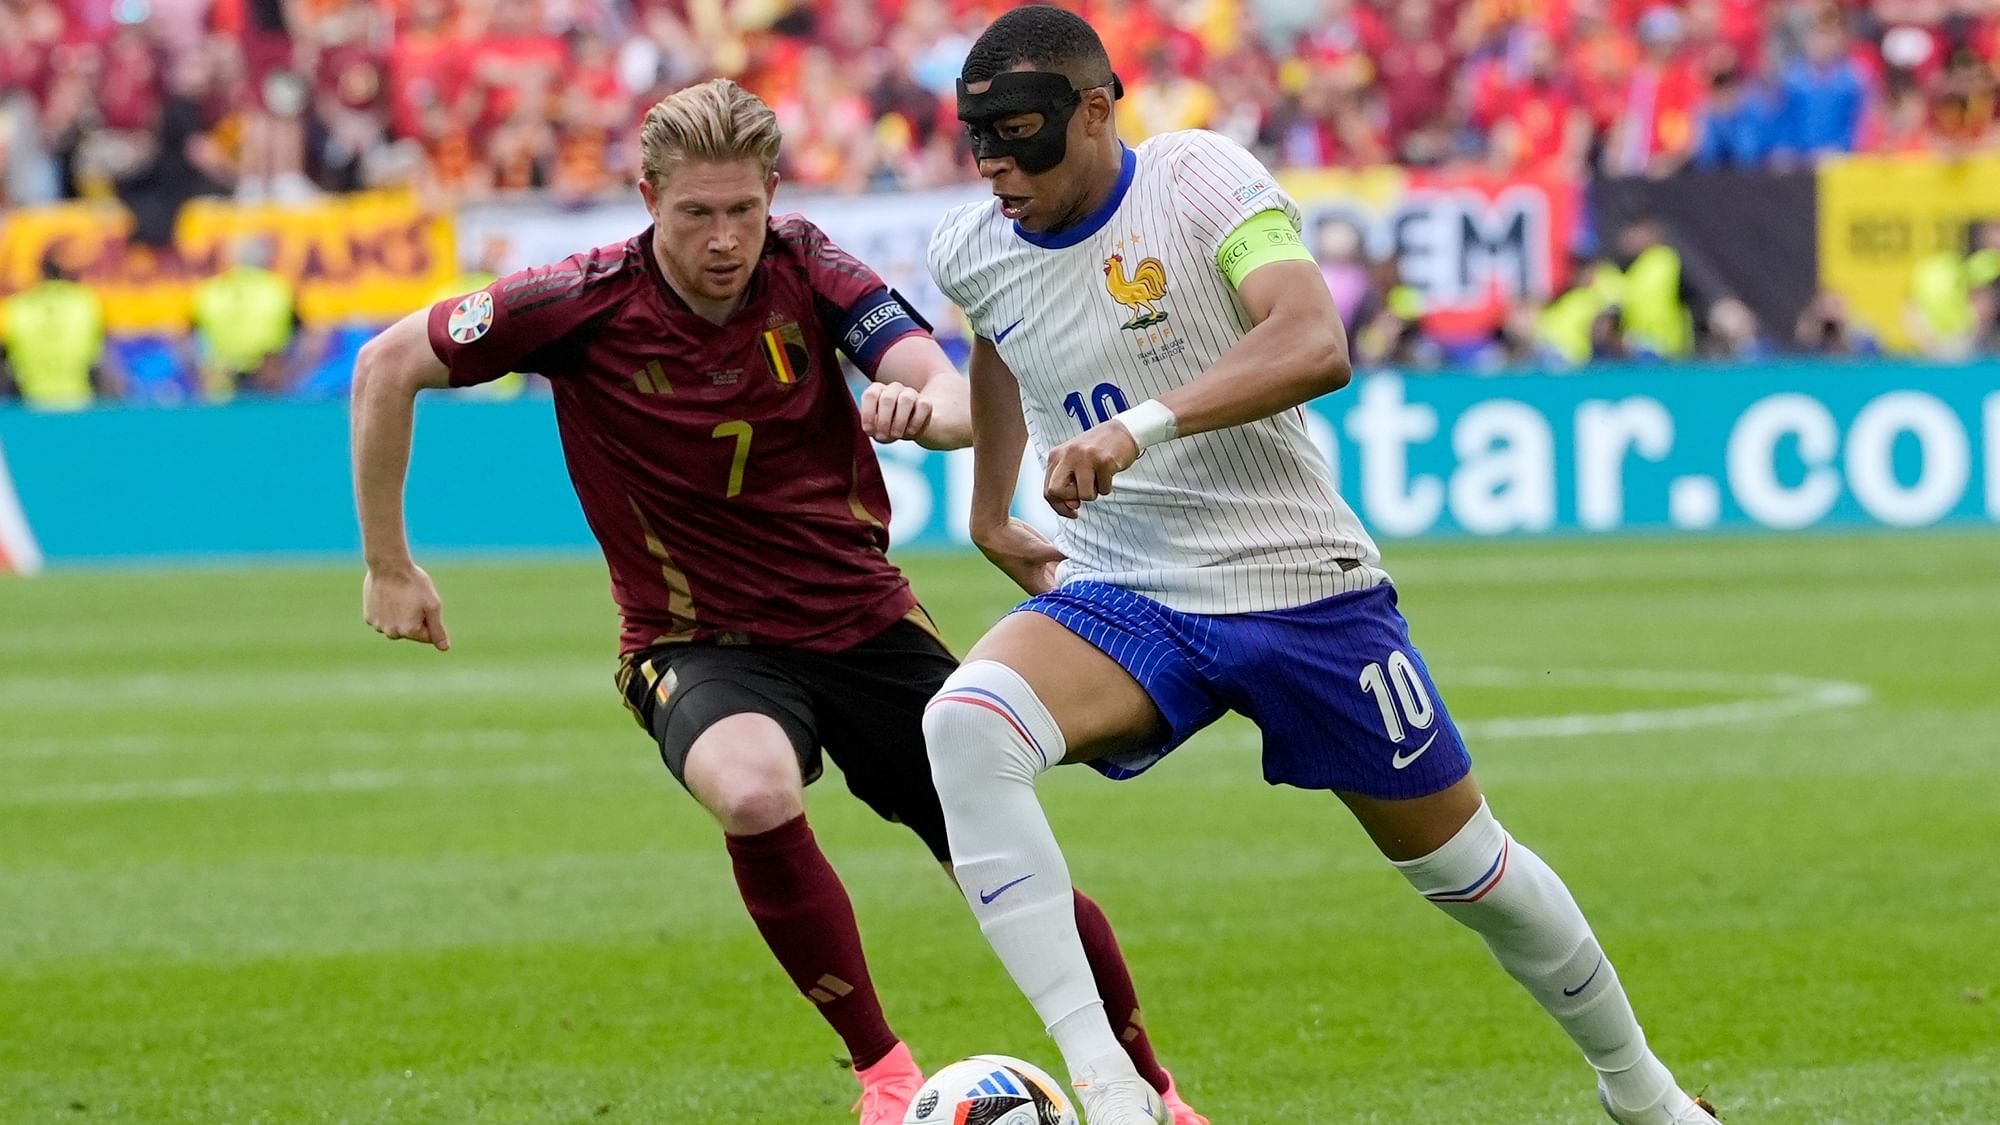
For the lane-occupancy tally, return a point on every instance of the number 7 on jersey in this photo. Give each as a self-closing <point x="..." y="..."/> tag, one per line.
<point x="740" y="430"/>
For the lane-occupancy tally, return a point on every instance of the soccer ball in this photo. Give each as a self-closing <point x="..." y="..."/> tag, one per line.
<point x="991" y="1090"/>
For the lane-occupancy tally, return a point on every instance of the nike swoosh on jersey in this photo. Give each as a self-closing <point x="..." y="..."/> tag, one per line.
<point x="986" y="899"/>
<point x="1399" y="759"/>
<point x="1000" y="337"/>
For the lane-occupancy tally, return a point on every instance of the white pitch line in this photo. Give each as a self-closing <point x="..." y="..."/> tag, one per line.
<point x="1783" y="696"/>
<point x="204" y="689"/>
<point x="1748" y="561"/>
<point x="336" y="741"/>
<point x="340" y="781"/>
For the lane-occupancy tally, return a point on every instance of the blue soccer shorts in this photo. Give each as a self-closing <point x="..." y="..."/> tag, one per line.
<point x="1341" y="695"/>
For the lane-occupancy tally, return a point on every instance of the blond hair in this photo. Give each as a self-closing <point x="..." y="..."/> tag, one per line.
<point x="714" y="121"/>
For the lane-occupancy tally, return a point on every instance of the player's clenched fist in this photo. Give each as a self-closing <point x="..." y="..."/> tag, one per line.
<point x="403" y="605"/>
<point x="893" y="412"/>
<point x="1080" y="469"/>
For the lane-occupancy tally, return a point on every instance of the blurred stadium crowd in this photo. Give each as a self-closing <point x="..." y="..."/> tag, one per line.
<point x="283" y="98"/>
<point x="154" y="102"/>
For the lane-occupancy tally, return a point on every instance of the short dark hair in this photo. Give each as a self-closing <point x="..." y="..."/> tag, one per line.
<point x="1042" y="36"/>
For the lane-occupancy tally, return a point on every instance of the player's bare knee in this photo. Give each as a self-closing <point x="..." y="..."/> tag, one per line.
<point x="986" y="720"/>
<point x="745" y="772"/>
<point x="752" y="800"/>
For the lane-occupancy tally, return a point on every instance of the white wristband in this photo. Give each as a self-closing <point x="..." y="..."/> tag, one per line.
<point x="1151" y="423"/>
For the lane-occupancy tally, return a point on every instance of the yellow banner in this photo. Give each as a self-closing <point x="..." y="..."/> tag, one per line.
<point x="1880" y="216"/>
<point x="370" y="257"/>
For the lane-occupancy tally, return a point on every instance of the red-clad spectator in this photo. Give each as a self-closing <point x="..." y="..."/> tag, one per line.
<point x="1981" y="19"/>
<point x="1413" y="69"/>
<point x="1131" y="29"/>
<point x="1656" y="124"/>
<point x="134" y="79"/>
<point x="592" y="91"/>
<point x="1602" y="55"/>
<point x="1346" y="29"/>
<point x="1737" y="25"/>
<point x="426" y="65"/>
<point x="1536" y="122"/>
<point x="514" y="60"/>
<point x="1901" y="125"/>
<point x="29" y="33"/>
<point x="826" y="124"/>
<point x="350" y="92"/>
<point x="1246" y="95"/>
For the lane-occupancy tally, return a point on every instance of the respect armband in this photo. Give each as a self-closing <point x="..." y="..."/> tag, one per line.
<point x="1259" y="240"/>
<point x="876" y="321"/>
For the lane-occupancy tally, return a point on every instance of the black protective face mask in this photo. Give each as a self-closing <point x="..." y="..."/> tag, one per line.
<point x="1016" y="92"/>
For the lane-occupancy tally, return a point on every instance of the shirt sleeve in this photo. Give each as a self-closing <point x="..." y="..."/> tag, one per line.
<point x="940" y="257"/>
<point x="1218" y="185"/>
<point x="860" y="313"/>
<point x="504" y="327"/>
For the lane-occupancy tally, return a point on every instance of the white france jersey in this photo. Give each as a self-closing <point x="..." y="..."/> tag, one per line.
<point x="1124" y="307"/>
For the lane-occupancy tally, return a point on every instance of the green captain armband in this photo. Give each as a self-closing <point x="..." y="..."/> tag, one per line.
<point x="1259" y="240"/>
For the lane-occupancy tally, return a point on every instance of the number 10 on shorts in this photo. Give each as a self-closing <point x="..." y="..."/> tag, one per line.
<point x="1401" y="695"/>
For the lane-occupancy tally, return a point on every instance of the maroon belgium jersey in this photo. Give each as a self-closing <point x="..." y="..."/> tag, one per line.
<point x="722" y="467"/>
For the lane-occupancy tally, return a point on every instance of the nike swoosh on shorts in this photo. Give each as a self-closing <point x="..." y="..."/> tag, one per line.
<point x="1398" y="761"/>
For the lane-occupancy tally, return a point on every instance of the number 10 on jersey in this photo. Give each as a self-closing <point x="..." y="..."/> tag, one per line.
<point x="1400" y="694"/>
<point x="1105" y="399"/>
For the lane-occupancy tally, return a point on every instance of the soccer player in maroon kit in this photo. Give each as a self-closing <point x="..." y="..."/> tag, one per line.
<point x="726" y="471"/>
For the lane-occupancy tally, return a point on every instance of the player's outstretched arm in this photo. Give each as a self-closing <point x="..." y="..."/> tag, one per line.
<point x="917" y="395"/>
<point x="398" y="599"/>
<point x="999" y="434"/>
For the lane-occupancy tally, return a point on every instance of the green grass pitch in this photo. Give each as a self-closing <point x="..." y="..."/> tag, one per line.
<point x="257" y="864"/>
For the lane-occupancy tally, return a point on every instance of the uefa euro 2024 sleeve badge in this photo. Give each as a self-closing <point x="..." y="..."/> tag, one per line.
<point x="472" y="317"/>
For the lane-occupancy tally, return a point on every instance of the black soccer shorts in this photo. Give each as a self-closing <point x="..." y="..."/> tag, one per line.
<point x="863" y="706"/>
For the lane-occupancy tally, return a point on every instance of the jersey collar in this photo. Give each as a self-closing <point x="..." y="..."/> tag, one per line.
<point x="1093" y="222"/>
<point x="675" y="303"/>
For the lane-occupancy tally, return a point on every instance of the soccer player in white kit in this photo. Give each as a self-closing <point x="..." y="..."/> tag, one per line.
<point x="1150" y="320"/>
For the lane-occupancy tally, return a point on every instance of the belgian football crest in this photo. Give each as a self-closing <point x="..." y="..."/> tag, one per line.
<point x="784" y="348"/>
<point x="471" y="318"/>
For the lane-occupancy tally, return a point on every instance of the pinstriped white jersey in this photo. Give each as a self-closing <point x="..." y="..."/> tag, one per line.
<point x="1124" y="307"/>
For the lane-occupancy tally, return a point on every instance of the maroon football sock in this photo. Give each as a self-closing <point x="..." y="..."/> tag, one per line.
<point x="804" y="914"/>
<point x="1114" y="984"/>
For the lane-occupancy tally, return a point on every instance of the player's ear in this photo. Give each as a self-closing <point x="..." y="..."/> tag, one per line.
<point x="771" y="186"/>
<point x="1097" y="111"/>
<point x="650" y="199"/>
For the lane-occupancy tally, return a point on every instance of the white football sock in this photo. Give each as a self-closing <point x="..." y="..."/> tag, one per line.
<point x="989" y="739"/>
<point x="1505" y="893"/>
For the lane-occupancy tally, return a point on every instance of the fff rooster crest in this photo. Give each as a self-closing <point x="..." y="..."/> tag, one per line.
<point x="1141" y="291"/>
